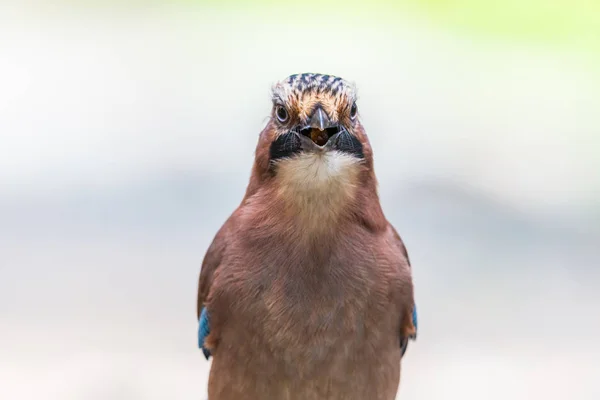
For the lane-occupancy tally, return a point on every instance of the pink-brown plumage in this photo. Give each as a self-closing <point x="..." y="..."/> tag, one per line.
<point x="308" y="286"/>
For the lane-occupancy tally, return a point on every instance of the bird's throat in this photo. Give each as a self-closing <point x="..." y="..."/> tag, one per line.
<point x="318" y="187"/>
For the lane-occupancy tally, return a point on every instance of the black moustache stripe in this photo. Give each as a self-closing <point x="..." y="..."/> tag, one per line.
<point x="348" y="143"/>
<point x="285" y="145"/>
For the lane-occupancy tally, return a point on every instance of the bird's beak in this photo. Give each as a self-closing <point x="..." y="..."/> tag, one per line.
<point x="320" y="128"/>
<point x="319" y="120"/>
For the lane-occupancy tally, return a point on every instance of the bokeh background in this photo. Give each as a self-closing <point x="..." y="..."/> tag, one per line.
<point x="127" y="131"/>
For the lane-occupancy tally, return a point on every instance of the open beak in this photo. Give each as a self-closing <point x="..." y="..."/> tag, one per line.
<point x="320" y="128"/>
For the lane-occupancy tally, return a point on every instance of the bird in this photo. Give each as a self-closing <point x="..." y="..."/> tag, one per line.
<point x="306" y="291"/>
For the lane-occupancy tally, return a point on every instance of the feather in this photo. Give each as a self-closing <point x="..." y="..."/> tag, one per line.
<point x="203" y="331"/>
<point x="404" y="340"/>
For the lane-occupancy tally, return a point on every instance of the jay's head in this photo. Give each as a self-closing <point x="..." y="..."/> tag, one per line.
<point x="314" y="122"/>
<point x="314" y="113"/>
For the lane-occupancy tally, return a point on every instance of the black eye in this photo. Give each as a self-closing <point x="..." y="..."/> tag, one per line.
<point x="353" y="111"/>
<point x="282" y="114"/>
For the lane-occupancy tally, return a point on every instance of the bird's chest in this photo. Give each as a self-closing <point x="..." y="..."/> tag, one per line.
<point x="312" y="309"/>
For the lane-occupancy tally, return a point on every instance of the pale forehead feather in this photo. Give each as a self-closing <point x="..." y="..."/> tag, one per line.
<point x="301" y="84"/>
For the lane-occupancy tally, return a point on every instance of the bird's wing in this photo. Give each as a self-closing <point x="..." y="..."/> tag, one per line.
<point x="410" y="326"/>
<point x="203" y="331"/>
<point x="211" y="262"/>
<point x="405" y="339"/>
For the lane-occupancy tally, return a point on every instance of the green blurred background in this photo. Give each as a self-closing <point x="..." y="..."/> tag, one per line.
<point x="127" y="132"/>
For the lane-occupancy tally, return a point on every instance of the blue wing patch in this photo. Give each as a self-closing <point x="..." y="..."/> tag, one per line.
<point x="404" y="341"/>
<point x="203" y="331"/>
<point x="415" y="322"/>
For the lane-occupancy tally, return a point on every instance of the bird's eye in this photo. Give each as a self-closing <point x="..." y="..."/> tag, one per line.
<point x="282" y="114"/>
<point x="353" y="111"/>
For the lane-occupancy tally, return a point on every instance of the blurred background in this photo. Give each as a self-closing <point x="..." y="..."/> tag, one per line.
<point x="127" y="132"/>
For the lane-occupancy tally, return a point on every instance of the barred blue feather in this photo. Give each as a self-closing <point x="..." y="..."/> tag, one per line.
<point x="203" y="331"/>
<point x="404" y="341"/>
<point x="414" y="318"/>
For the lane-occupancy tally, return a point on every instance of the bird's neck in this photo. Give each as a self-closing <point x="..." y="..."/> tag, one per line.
<point x="318" y="191"/>
<point x="310" y="196"/>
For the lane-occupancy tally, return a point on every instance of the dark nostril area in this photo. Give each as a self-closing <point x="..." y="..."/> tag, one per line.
<point x="333" y="130"/>
<point x="306" y="131"/>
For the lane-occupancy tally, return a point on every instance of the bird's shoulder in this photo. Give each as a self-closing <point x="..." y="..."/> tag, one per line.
<point x="409" y="319"/>
<point x="213" y="259"/>
<point x="390" y="257"/>
<point x="395" y="241"/>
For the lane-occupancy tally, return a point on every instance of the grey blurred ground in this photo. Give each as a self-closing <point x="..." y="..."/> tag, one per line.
<point x="127" y="140"/>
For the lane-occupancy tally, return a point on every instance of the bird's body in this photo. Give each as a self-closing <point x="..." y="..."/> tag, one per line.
<point x="307" y="286"/>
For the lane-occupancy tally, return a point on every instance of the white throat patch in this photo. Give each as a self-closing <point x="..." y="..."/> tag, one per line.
<point x="319" y="185"/>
